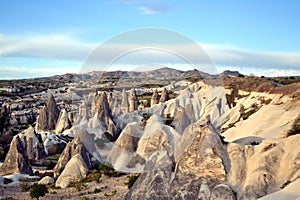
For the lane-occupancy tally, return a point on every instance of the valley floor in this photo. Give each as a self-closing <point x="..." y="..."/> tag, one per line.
<point x="110" y="188"/>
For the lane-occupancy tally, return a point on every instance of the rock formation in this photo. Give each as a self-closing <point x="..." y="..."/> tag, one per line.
<point x="164" y="96"/>
<point x="157" y="136"/>
<point x="256" y="172"/>
<point x="34" y="144"/>
<point x="83" y="113"/>
<point x="63" y="122"/>
<point x="126" y="145"/>
<point x="199" y="172"/>
<point x="75" y="170"/>
<point x="83" y="145"/>
<point x="104" y="116"/>
<point x="154" y="98"/>
<point x="48" y="115"/>
<point x="16" y="160"/>
<point x="124" y="103"/>
<point x="47" y="180"/>
<point x="181" y="120"/>
<point x="133" y="101"/>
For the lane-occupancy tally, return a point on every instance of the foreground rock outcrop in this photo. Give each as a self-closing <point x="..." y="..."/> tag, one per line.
<point x="267" y="168"/>
<point x="82" y="145"/>
<point x="198" y="172"/>
<point x="75" y="170"/>
<point x="16" y="161"/>
<point x="76" y="160"/>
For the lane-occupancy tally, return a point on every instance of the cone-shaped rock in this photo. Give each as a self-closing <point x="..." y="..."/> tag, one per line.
<point x="103" y="110"/>
<point x="83" y="145"/>
<point x="33" y="143"/>
<point x="155" y="98"/>
<point x="82" y="113"/>
<point x="202" y="164"/>
<point x="76" y="168"/>
<point x="48" y="115"/>
<point x="63" y="122"/>
<point x="164" y="96"/>
<point x="16" y="160"/>
<point x="133" y="101"/>
<point x="124" y="103"/>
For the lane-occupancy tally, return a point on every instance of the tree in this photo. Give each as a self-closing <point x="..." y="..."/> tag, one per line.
<point x="38" y="190"/>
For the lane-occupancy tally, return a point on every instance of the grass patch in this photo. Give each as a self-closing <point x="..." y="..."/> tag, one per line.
<point x="108" y="171"/>
<point x="77" y="184"/>
<point x="53" y="157"/>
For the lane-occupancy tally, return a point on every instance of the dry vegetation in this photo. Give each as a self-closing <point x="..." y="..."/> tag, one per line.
<point x="284" y="85"/>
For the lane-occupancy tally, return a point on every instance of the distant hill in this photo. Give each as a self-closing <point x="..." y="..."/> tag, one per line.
<point x="229" y="73"/>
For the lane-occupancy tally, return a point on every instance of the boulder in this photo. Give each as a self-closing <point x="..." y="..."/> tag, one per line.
<point x="47" y="180"/>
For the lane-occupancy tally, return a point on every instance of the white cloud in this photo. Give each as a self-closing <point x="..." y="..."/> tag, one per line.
<point x="54" y="46"/>
<point x="158" y="9"/>
<point x="25" y="72"/>
<point x="55" y="49"/>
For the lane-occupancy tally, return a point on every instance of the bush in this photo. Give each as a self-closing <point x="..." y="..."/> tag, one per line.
<point x="295" y="127"/>
<point x="50" y="165"/>
<point x="131" y="180"/>
<point x="25" y="186"/>
<point x="108" y="171"/>
<point x="77" y="183"/>
<point x="38" y="190"/>
<point x="97" y="190"/>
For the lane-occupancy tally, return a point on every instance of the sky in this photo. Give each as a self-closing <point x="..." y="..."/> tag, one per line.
<point x="42" y="38"/>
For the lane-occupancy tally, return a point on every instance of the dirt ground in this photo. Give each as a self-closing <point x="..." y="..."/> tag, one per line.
<point x="110" y="188"/>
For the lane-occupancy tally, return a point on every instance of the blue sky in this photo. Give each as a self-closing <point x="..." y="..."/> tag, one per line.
<point x="40" y="38"/>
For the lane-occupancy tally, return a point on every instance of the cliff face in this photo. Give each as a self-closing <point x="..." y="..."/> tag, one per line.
<point x="48" y="116"/>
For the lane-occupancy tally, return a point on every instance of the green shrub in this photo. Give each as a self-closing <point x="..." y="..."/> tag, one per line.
<point x="131" y="180"/>
<point x="25" y="186"/>
<point x="108" y="171"/>
<point x="38" y="190"/>
<point x="93" y="176"/>
<point x="50" y="165"/>
<point x="113" y="193"/>
<point x="77" y="184"/>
